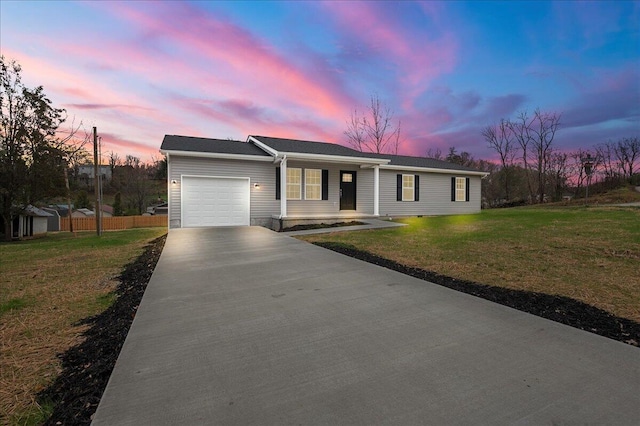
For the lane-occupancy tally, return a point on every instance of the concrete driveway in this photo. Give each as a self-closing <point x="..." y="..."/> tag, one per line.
<point x="246" y="326"/>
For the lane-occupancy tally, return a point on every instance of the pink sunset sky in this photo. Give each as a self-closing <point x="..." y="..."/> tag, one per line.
<point x="140" y="70"/>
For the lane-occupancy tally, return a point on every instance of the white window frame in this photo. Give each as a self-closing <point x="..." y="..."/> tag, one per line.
<point x="297" y="186"/>
<point x="315" y="186"/>
<point x="407" y="188"/>
<point x="461" y="189"/>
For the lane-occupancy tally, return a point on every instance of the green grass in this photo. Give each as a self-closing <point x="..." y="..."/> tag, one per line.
<point x="590" y="254"/>
<point x="34" y="415"/>
<point x="46" y="286"/>
<point x="14" y="304"/>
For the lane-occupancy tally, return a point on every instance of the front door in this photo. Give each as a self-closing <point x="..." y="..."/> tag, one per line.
<point x="347" y="190"/>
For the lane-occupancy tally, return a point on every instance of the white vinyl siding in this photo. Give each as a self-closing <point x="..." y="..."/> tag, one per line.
<point x="263" y="203"/>
<point x="435" y="196"/>
<point x="294" y="183"/>
<point x="461" y="189"/>
<point x="312" y="184"/>
<point x="408" y="188"/>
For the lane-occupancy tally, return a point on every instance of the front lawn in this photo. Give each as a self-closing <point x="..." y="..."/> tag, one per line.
<point x="588" y="254"/>
<point x="47" y="285"/>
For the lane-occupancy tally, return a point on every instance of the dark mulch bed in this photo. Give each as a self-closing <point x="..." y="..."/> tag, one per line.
<point x="321" y="226"/>
<point x="86" y="367"/>
<point x="556" y="308"/>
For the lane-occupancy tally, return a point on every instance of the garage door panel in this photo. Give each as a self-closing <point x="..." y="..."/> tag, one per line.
<point x="215" y="201"/>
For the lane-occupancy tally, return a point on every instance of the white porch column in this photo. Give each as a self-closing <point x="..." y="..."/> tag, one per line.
<point x="376" y="190"/>
<point x="283" y="187"/>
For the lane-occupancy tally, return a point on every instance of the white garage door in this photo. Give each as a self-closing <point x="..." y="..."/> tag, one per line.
<point x="214" y="201"/>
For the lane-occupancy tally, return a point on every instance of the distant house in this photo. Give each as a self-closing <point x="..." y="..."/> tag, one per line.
<point x="31" y="222"/>
<point x="107" y="211"/>
<point x="83" y="213"/>
<point x="277" y="183"/>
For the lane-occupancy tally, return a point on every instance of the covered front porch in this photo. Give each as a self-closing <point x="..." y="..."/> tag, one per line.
<point x="313" y="191"/>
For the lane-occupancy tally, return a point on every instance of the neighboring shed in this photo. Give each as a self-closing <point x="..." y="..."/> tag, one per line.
<point x="53" y="222"/>
<point x="30" y="223"/>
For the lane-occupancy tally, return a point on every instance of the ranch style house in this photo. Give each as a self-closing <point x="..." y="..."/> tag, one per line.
<point x="278" y="183"/>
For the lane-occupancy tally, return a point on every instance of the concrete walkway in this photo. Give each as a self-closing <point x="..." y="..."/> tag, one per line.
<point x="244" y="326"/>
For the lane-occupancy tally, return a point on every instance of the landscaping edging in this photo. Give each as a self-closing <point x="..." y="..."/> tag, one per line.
<point x="86" y="368"/>
<point x="556" y="308"/>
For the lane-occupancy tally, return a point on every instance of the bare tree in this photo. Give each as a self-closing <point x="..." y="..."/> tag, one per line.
<point x="605" y="152"/>
<point x="436" y="154"/>
<point x="558" y="173"/>
<point x="535" y="136"/>
<point x="521" y="129"/>
<point x="544" y="130"/>
<point x="374" y="131"/>
<point x="133" y="181"/>
<point x="627" y="152"/>
<point x="355" y="131"/>
<point x="501" y="139"/>
<point x="72" y="145"/>
<point x="114" y="161"/>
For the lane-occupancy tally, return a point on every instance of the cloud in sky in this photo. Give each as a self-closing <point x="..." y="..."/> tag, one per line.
<point x="139" y="70"/>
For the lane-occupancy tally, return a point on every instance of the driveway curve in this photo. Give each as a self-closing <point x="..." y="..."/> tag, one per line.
<point x="246" y="326"/>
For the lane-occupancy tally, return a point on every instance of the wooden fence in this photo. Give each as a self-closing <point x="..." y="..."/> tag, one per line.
<point x="113" y="223"/>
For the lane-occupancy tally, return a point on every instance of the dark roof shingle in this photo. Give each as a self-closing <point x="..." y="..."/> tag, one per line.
<point x="193" y="144"/>
<point x="309" y="147"/>
<point x="431" y="163"/>
<point x="223" y="146"/>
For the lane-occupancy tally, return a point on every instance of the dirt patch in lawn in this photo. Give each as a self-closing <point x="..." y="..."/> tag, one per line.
<point x="76" y="392"/>
<point x="321" y="226"/>
<point x="556" y="308"/>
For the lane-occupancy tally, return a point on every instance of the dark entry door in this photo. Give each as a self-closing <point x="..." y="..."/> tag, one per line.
<point x="347" y="190"/>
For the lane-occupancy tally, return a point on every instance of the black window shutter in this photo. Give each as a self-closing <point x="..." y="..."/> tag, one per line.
<point x="416" y="188"/>
<point x="277" y="183"/>
<point x="453" y="189"/>
<point x="467" y="189"/>
<point x="399" y="189"/>
<point x="325" y="184"/>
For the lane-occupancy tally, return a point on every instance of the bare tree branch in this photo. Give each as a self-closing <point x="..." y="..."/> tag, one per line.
<point x="501" y="139"/>
<point x="374" y="131"/>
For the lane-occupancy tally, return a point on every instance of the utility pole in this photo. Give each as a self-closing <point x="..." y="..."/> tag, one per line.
<point x="95" y="182"/>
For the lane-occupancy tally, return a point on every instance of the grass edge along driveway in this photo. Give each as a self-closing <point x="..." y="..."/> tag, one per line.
<point x="588" y="254"/>
<point x="46" y="286"/>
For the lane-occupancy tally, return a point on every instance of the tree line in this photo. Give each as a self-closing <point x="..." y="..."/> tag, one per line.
<point x="130" y="181"/>
<point x="39" y="159"/>
<point x="531" y="168"/>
